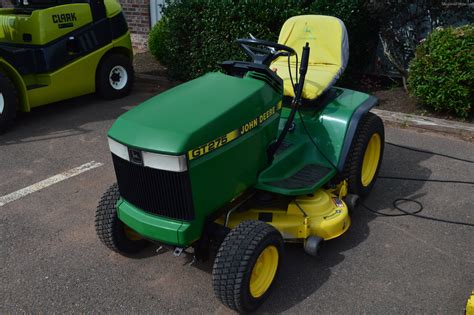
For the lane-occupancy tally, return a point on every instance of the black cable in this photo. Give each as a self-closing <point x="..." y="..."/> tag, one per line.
<point x="301" y="209"/>
<point x="291" y="75"/>
<point x="297" y="79"/>
<point x="414" y="213"/>
<point x="396" y="202"/>
<point x="429" y="152"/>
<point x="395" y="205"/>
<point x="314" y="143"/>
<point x="427" y="180"/>
<point x="289" y="121"/>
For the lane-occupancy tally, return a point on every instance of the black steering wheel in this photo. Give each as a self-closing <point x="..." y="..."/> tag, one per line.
<point x="263" y="51"/>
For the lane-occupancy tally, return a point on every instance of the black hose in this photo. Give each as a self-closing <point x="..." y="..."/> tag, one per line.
<point x="273" y="148"/>
<point x="291" y="75"/>
<point x="427" y="180"/>
<point x="314" y="143"/>
<point x="396" y="202"/>
<point x="414" y="213"/>
<point x="429" y="152"/>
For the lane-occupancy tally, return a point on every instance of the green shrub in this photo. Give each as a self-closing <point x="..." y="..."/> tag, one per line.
<point x="157" y="39"/>
<point x="198" y="34"/>
<point x="442" y="73"/>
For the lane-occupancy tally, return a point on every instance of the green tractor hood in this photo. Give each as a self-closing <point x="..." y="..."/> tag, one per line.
<point x="193" y="113"/>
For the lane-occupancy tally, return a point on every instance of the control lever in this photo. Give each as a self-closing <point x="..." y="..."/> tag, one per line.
<point x="294" y="105"/>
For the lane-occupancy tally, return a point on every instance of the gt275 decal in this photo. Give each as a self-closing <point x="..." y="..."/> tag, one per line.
<point x="234" y="134"/>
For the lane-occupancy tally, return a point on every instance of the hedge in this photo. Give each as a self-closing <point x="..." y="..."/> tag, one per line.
<point x="195" y="35"/>
<point x="441" y="75"/>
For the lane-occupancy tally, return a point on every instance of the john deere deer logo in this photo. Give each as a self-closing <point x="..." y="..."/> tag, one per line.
<point x="308" y="34"/>
<point x="135" y="156"/>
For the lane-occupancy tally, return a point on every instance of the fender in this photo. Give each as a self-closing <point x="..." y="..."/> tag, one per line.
<point x="356" y="118"/>
<point x="336" y="124"/>
<point x="10" y="71"/>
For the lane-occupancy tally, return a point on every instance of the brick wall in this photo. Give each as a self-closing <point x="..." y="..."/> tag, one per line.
<point x="137" y="13"/>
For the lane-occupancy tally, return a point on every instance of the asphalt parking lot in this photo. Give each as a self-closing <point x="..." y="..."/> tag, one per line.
<point x="52" y="261"/>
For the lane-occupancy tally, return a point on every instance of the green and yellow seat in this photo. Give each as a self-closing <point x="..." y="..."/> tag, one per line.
<point x="328" y="41"/>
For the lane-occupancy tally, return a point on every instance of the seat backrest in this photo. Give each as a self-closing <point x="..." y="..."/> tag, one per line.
<point x="326" y="35"/>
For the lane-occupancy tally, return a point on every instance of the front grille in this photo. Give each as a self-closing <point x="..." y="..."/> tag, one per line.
<point x="155" y="191"/>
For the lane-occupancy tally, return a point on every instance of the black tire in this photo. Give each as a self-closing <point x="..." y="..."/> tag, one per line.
<point x="235" y="260"/>
<point x="119" y="67"/>
<point x="370" y="125"/>
<point x="110" y="230"/>
<point x="8" y="102"/>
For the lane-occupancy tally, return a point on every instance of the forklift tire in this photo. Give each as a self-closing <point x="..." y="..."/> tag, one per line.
<point x="114" y="76"/>
<point x="8" y="102"/>
<point x="364" y="160"/>
<point x="246" y="265"/>
<point x="111" y="231"/>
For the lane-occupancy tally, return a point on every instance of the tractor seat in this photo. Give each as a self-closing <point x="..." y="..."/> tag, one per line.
<point x="328" y="41"/>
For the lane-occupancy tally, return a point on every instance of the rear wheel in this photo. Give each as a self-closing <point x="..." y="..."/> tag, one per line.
<point x="8" y="102"/>
<point x="364" y="160"/>
<point x="112" y="232"/>
<point x="114" y="76"/>
<point x="246" y="265"/>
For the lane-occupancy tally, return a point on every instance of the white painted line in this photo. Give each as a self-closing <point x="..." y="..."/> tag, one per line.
<point x="48" y="182"/>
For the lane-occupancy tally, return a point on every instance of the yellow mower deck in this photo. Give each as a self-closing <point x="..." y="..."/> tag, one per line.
<point x="321" y="214"/>
<point x="470" y="305"/>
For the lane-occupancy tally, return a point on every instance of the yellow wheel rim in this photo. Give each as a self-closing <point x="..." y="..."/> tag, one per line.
<point x="131" y="234"/>
<point x="264" y="271"/>
<point x="371" y="159"/>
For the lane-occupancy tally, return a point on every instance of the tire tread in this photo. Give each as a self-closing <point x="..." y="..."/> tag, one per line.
<point x="232" y="263"/>
<point x="109" y="228"/>
<point x="352" y="166"/>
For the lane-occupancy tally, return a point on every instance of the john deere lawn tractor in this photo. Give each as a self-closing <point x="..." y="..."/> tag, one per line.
<point x="51" y="50"/>
<point x="242" y="161"/>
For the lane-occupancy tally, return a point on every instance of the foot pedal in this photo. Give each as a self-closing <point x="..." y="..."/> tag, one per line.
<point x="308" y="176"/>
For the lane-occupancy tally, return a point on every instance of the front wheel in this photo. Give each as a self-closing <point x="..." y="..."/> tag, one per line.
<point x="114" y="76"/>
<point x="112" y="232"/>
<point x="246" y="265"/>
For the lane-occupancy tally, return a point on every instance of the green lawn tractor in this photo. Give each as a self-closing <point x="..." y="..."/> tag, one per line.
<point x="51" y="50"/>
<point x="243" y="161"/>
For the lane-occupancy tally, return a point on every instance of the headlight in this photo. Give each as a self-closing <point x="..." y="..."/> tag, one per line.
<point x="158" y="161"/>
